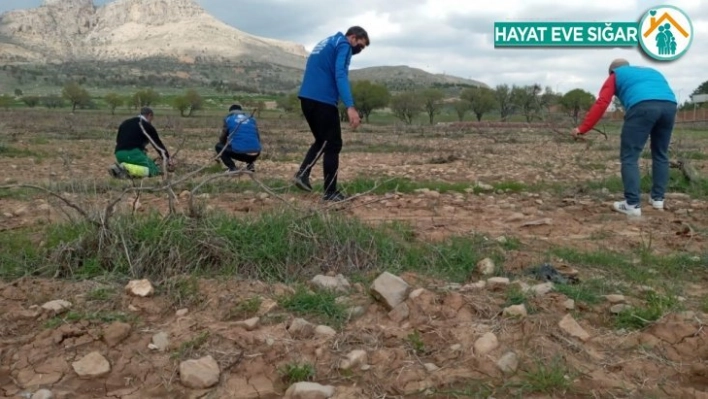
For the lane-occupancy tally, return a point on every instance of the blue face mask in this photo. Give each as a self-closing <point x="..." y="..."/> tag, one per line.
<point x="357" y="49"/>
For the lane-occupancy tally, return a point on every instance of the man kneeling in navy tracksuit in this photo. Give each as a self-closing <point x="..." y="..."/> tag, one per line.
<point x="650" y="111"/>
<point x="245" y="145"/>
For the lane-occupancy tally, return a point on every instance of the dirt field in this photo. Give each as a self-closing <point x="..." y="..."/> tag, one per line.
<point x="622" y="319"/>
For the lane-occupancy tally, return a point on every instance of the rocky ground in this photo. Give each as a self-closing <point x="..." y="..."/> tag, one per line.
<point x="597" y="329"/>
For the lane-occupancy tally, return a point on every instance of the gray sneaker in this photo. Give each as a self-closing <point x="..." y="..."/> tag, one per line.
<point x="335" y="196"/>
<point x="118" y="171"/>
<point x="302" y="182"/>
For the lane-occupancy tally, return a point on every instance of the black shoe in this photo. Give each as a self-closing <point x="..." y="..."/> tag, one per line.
<point x="302" y="182"/>
<point x="334" y="197"/>
<point x="232" y="170"/>
<point x="251" y="168"/>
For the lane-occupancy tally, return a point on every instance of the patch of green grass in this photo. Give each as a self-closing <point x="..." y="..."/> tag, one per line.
<point x="92" y="316"/>
<point x="184" y="291"/>
<point x="589" y="292"/>
<point x="384" y="185"/>
<point x="549" y="377"/>
<point x="656" y="305"/>
<point x="187" y="348"/>
<point x="245" y="309"/>
<point x="677" y="184"/>
<point x="14" y="152"/>
<point x="416" y="343"/>
<point x="320" y="306"/>
<point x="101" y="294"/>
<point x="296" y="372"/>
<point x="280" y="245"/>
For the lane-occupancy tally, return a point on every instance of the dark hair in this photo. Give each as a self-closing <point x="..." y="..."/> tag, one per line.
<point x="235" y="107"/>
<point x="145" y="111"/>
<point x="359" y="33"/>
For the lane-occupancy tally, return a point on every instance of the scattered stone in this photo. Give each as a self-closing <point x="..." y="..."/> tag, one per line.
<point x="116" y="332"/>
<point x="43" y="394"/>
<point x="93" y="365"/>
<point x="485" y="344"/>
<point x="615" y="298"/>
<point x="355" y="358"/>
<point x="431" y="367"/>
<point x="569" y="304"/>
<point x="496" y="283"/>
<point x="619" y="308"/>
<point x="355" y="311"/>
<point x="160" y="342"/>
<point x="399" y="313"/>
<point x="199" y="373"/>
<point x="541" y="289"/>
<point x="484" y="186"/>
<point x="501" y="240"/>
<point x="416" y="293"/>
<point x="309" y="390"/>
<point x="572" y="328"/>
<point x="301" y="328"/>
<point x="57" y="306"/>
<point x="249" y="324"/>
<point x="479" y="285"/>
<point x="325" y="331"/>
<point x="515" y="311"/>
<point x="456" y="348"/>
<point x="182" y="312"/>
<point x="390" y="289"/>
<point x="486" y="266"/>
<point x="337" y="284"/>
<point x="142" y="288"/>
<point x="508" y="363"/>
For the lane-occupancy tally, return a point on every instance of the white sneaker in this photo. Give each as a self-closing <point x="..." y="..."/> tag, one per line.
<point x="657" y="204"/>
<point x="622" y="207"/>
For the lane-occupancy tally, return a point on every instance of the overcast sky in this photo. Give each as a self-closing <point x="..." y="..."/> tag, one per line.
<point x="456" y="37"/>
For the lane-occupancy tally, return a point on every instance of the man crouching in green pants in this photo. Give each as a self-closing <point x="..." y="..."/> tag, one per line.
<point x="134" y="134"/>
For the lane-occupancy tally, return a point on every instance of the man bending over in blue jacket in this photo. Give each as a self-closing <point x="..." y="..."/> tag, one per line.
<point x="245" y="145"/>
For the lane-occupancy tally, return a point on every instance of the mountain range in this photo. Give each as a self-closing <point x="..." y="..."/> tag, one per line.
<point x="166" y="42"/>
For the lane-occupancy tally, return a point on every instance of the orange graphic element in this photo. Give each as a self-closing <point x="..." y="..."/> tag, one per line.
<point x="655" y="24"/>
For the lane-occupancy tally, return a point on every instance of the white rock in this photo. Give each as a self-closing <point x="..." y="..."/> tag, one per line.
<point x="486" y="266"/>
<point x="337" y="284"/>
<point x="615" y="298"/>
<point x="572" y="328"/>
<point x="249" y="324"/>
<point x="515" y="311"/>
<point x="431" y="367"/>
<point x="43" y="394"/>
<point x="57" y="306"/>
<point x="93" y="365"/>
<point x="354" y="358"/>
<point x="390" y="289"/>
<point x="309" y="390"/>
<point x="497" y="283"/>
<point x="508" y="363"/>
<point x="569" y="304"/>
<point x="160" y="342"/>
<point x="485" y="344"/>
<point x="182" y="312"/>
<point x="325" y="331"/>
<point x="142" y="288"/>
<point x="199" y="373"/>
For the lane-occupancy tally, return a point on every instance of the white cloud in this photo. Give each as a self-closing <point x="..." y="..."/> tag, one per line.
<point x="456" y="37"/>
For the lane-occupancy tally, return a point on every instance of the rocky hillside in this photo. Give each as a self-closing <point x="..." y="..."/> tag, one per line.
<point x="62" y="31"/>
<point x="161" y="43"/>
<point x="402" y="77"/>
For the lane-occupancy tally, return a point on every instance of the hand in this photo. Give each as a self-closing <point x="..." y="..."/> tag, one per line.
<point x="576" y="133"/>
<point x="170" y="165"/>
<point x="354" y="118"/>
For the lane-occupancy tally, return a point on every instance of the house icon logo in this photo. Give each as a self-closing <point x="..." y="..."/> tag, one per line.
<point x="666" y="33"/>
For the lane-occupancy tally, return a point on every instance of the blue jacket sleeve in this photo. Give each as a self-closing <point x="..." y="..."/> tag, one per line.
<point x="341" y="72"/>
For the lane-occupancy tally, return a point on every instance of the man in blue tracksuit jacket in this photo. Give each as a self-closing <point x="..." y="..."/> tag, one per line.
<point x="325" y="81"/>
<point x="245" y="145"/>
<point x="649" y="112"/>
